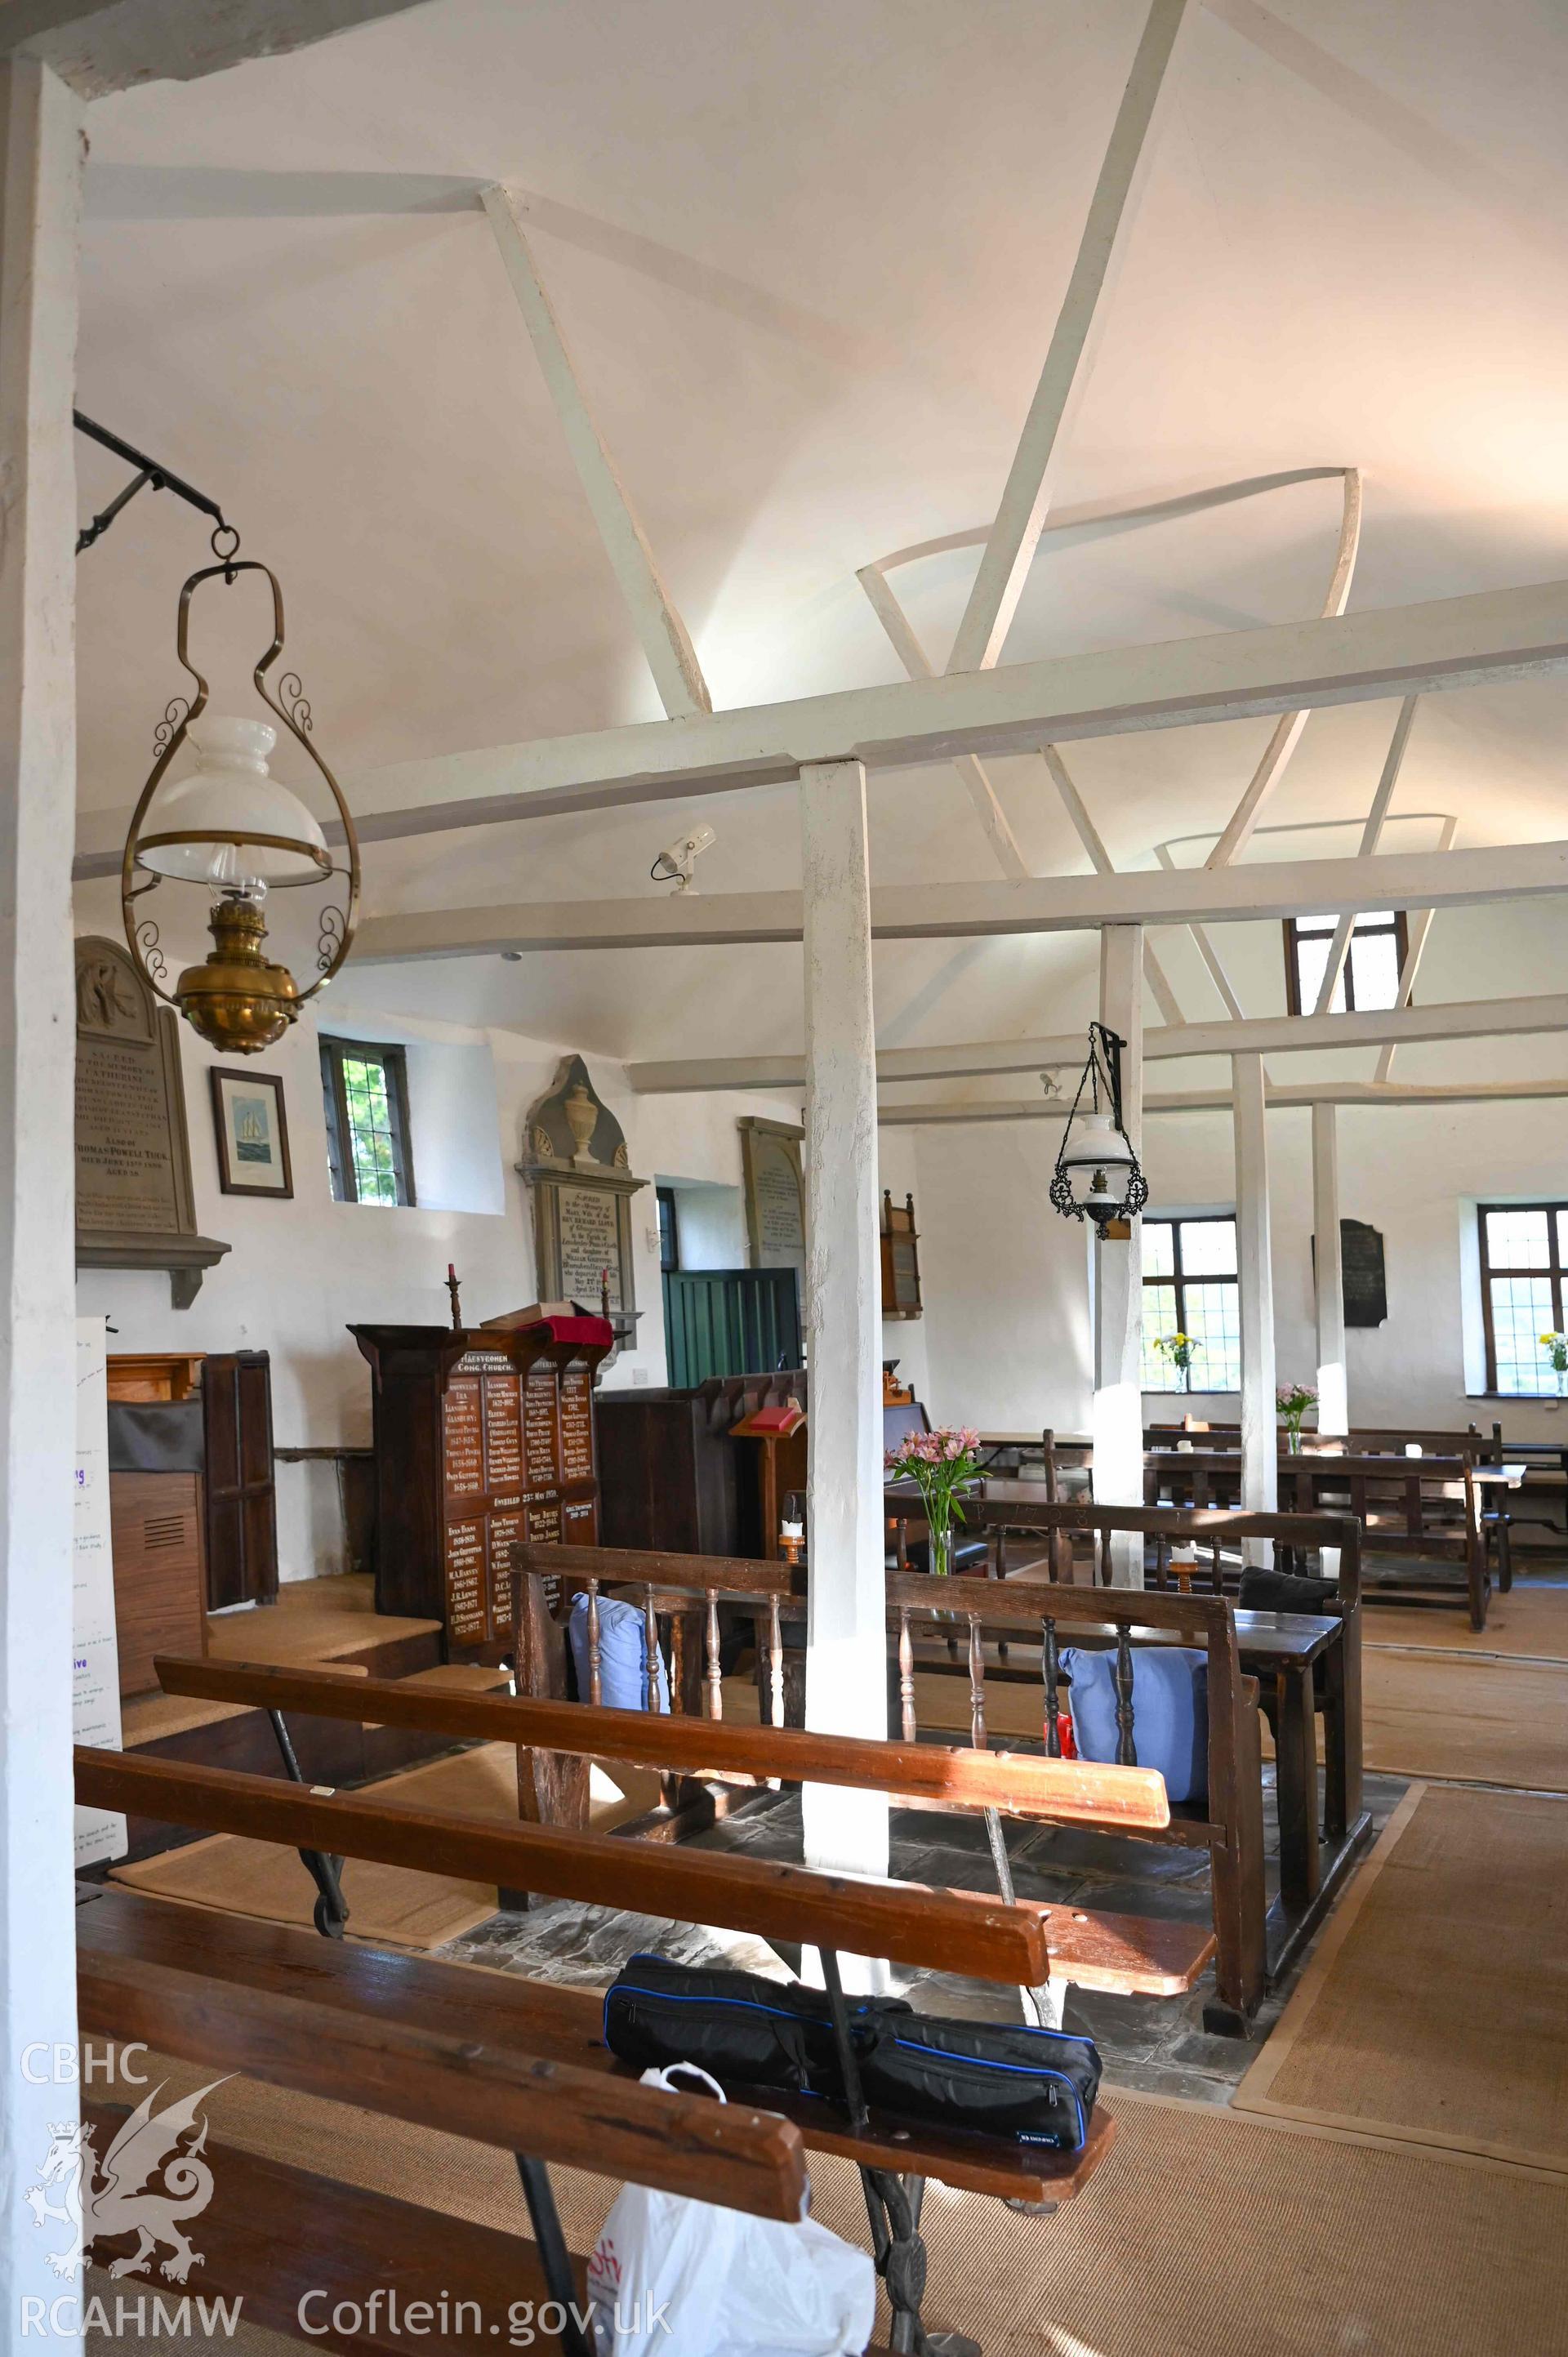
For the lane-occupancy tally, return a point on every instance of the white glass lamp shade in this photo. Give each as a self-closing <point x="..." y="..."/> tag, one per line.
<point x="1094" y="1143"/>
<point x="231" y="793"/>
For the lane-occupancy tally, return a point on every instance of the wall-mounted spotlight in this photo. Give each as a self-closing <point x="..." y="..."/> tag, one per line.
<point x="675" y="865"/>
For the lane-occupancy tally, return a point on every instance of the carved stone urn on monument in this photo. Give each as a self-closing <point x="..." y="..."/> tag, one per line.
<point x="580" y="1183"/>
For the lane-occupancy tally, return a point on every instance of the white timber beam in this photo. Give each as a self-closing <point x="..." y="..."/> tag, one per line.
<point x="1255" y="1286"/>
<point x="846" y="1640"/>
<point x="41" y="150"/>
<point x="1117" y="1415"/>
<point x="1041" y="904"/>
<point x="660" y="629"/>
<point x="1099" y="859"/>
<point x="1286" y="735"/>
<point x="971" y="772"/>
<point x="1021" y="513"/>
<point x="1486" y="1019"/>
<point x="98" y="46"/>
<point x="970" y="1111"/>
<point x="1207" y="950"/>
<point x="1420" y="926"/>
<point x="1333" y="1386"/>
<point x="1452" y="642"/>
<point x="1339" y="947"/>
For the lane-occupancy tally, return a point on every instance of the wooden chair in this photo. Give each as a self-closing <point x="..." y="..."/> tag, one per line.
<point x="940" y="1930"/>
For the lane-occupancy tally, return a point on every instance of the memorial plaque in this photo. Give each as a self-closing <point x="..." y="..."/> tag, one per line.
<point x="576" y="1425"/>
<point x="462" y="1445"/>
<point x="580" y="1182"/>
<point x="134" y="1205"/>
<point x="544" y="1519"/>
<point x="775" y="1193"/>
<point x="506" y="1527"/>
<point x="542" y="1446"/>
<point x="466" y="1615"/>
<point x="503" y="1432"/>
<point x="590" y="1245"/>
<point x="470" y="1443"/>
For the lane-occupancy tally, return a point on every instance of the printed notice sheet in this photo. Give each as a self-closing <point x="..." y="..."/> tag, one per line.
<point x="95" y="1658"/>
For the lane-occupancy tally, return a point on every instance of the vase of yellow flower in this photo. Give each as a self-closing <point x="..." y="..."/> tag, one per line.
<point x="1179" y="1349"/>
<point x="1556" y="1349"/>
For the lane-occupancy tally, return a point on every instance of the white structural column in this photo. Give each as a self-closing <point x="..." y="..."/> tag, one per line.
<point x="40" y="174"/>
<point x="846" y="1643"/>
<point x="1254" y="1262"/>
<point x="1333" y="1384"/>
<point x="671" y="657"/>
<point x="1118" y="1413"/>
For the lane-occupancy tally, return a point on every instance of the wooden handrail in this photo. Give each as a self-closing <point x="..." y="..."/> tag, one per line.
<point x="943" y="1931"/>
<point x="494" y="2094"/>
<point x="1021" y="1784"/>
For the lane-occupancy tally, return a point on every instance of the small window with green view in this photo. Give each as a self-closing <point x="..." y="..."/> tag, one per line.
<point x="366" y="1090"/>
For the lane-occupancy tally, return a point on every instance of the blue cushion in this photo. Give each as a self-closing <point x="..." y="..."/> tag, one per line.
<point x="1170" y="1712"/>
<point x="623" y="1654"/>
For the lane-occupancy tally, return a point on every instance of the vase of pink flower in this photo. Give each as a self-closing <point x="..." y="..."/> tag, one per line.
<point x="943" y="1465"/>
<point x="1291" y="1401"/>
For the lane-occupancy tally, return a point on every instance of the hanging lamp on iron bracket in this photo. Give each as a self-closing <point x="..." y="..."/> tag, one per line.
<point x="1098" y="1175"/>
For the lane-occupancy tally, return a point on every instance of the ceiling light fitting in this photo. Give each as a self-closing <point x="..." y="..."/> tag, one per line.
<point x="238" y="833"/>
<point x="1097" y="1175"/>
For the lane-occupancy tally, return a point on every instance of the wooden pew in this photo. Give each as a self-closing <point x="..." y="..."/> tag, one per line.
<point x="935" y="1930"/>
<point x="688" y="1587"/>
<point x="1131" y="1954"/>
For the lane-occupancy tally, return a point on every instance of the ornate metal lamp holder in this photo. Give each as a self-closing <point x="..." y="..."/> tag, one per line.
<point x="1097" y="1175"/>
<point x="239" y="833"/>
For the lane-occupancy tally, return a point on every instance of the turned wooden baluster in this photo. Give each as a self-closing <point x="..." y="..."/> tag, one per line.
<point x="1161" y="1560"/>
<point x="976" y="1684"/>
<point x="1126" y="1749"/>
<point x="1050" y="1672"/>
<point x="906" y="1676"/>
<point x="596" y="1666"/>
<point x="715" y="1663"/>
<point x="1218" y="1567"/>
<point x="678" y="1662"/>
<point x="650" y="1652"/>
<point x="776" y="1661"/>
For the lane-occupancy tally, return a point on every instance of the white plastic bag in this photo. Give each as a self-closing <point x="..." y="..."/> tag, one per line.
<point x="674" y="2277"/>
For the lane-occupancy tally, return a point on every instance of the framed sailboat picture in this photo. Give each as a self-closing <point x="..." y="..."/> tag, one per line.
<point x="253" y="1134"/>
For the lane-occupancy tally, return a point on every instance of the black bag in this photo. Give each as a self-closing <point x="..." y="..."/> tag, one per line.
<point x="1265" y="1591"/>
<point x="744" y="2030"/>
<point x="1038" y="2085"/>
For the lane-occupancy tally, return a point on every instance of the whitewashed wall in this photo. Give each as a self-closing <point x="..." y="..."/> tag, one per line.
<point x="1007" y="1296"/>
<point x="299" y="1273"/>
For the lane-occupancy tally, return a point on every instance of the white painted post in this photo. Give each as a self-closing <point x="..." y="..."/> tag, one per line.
<point x="1333" y="1386"/>
<point x="846" y="1639"/>
<point x="1117" y="1421"/>
<point x="1254" y="1262"/>
<point x="40" y="177"/>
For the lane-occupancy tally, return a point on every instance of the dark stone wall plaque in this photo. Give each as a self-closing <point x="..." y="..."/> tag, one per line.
<point x="134" y="1207"/>
<point x="1361" y="1260"/>
<point x="1366" y="1288"/>
<point x="579" y="1176"/>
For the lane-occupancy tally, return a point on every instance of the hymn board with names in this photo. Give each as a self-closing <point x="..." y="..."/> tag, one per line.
<point x="483" y="1437"/>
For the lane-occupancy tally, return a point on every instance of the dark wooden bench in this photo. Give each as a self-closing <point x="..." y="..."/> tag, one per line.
<point x="933" y="1930"/>
<point x="685" y="1592"/>
<point x="1143" y="1956"/>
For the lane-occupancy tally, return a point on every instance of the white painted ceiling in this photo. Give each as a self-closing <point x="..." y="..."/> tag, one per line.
<point x="808" y="257"/>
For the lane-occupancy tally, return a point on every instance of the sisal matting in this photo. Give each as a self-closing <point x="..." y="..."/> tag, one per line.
<point x="1437" y="2007"/>
<point x="1474" y="1722"/>
<point x="389" y="1904"/>
<point x="1204" y="2234"/>
<point x="1530" y="1622"/>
